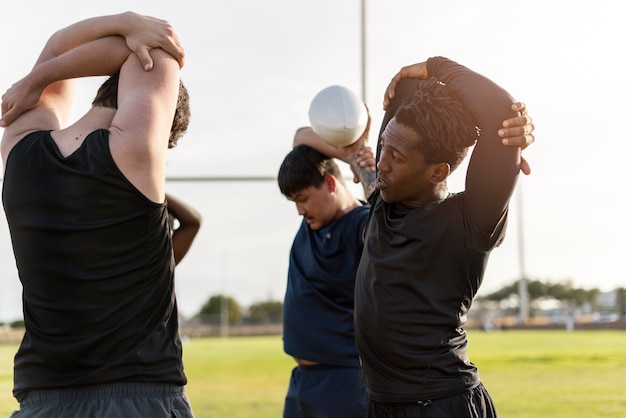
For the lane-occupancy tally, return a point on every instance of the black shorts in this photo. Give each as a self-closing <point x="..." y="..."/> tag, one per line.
<point x="124" y="400"/>
<point x="473" y="403"/>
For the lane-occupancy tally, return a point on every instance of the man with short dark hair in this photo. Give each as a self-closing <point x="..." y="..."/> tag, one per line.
<point x="318" y="330"/>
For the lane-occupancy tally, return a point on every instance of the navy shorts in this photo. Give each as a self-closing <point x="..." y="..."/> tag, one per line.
<point x="473" y="403"/>
<point x="326" y="391"/>
<point x="124" y="400"/>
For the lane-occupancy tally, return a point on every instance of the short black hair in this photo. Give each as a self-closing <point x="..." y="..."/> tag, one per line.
<point x="304" y="167"/>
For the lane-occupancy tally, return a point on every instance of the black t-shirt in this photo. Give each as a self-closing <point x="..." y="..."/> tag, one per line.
<point x="94" y="256"/>
<point x="421" y="267"/>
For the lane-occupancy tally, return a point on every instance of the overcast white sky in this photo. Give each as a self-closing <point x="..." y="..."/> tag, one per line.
<point x="253" y="66"/>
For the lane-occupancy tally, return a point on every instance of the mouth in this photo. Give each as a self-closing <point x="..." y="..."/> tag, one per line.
<point x="380" y="183"/>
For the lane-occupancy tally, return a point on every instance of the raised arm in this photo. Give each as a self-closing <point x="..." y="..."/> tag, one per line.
<point x="493" y="168"/>
<point x="516" y="131"/>
<point x="140" y="129"/>
<point x="359" y="156"/>
<point x="76" y="51"/>
<point x="142" y="34"/>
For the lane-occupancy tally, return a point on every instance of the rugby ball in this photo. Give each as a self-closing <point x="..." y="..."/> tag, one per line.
<point x="338" y="116"/>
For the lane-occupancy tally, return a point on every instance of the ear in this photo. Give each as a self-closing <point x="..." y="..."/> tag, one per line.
<point x="331" y="182"/>
<point x="440" y="173"/>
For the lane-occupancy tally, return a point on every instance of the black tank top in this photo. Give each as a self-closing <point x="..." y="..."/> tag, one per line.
<point x="94" y="256"/>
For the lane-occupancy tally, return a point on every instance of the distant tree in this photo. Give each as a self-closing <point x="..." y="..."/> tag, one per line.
<point x="269" y="312"/>
<point x="562" y="291"/>
<point x="536" y="290"/>
<point x="570" y="295"/>
<point x="17" y="324"/>
<point x="215" y="306"/>
<point x="501" y="294"/>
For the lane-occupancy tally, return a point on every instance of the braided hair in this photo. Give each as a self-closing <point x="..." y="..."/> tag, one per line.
<point x="445" y="127"/>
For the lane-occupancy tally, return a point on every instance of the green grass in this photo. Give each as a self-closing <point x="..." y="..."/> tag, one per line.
<point x="240" y="377"/>
<point x="530" y="374"/>
<point x="553" y="373"/>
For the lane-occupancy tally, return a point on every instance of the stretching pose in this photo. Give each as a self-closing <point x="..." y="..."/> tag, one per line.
<point x="426" y="249"/>
<point x="86" y="209"/>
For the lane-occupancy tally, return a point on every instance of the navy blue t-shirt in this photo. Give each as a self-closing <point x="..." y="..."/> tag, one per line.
<point x="319" y="301"/>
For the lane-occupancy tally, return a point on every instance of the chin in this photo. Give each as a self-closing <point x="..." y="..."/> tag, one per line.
<point x="387" y="197"/>
<point x="314" y="226"/>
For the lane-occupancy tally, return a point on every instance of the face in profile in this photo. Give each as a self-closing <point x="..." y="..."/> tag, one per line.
<point x="316" y="205"/>
<point x="403" y="175"/>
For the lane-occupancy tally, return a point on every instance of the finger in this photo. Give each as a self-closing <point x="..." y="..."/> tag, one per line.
<point x="175" y="49"/>
<point x="517" y="121"/>
<point x="516" y="130"/>
<point x="524" y="166"/>
<point x="519" y="107"/>
<point x="8" y="118"/>
<point x="390" y="93"/>
<point x="144" y="57"/>
<point x="519" y="141"/>
<point x="179" y="55"/>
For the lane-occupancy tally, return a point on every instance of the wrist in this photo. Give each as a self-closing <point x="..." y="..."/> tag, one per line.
<point x="124" y="22"/>
<point x="39" y="78"/>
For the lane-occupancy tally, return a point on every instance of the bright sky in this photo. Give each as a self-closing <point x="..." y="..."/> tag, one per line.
<point x="253" y="66"/>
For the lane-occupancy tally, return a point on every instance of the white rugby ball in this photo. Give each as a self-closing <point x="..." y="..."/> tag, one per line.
<point x="338" y="116"/>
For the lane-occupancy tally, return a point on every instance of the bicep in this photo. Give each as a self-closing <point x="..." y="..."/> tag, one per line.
<point x="146" y="103"/>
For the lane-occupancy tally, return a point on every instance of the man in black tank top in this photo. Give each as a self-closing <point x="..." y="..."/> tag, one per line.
<point x="425" y="249"/>
<point x="86" y="210"/>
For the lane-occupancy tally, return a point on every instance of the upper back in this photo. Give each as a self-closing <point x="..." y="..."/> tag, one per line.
<point x="139" y="128"/>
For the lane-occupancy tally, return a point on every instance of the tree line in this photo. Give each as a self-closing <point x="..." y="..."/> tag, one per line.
<point x="569" y="296"/>
<point x="271" y="311"/>
<point x="265" y="312"/>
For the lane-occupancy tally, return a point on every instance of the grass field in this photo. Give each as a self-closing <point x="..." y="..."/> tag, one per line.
<point x="529" y="374"/>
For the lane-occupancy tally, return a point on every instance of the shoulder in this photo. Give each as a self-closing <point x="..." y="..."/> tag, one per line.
<point x="354" y="221"/>
<point x="11" y="139"/>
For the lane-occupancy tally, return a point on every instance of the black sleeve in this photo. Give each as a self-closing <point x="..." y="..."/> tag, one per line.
<point x="493" y="168"/>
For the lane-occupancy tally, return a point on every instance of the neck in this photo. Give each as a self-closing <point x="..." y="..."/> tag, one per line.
<point x="439" y="192"/>
<point x="347" y="202"/>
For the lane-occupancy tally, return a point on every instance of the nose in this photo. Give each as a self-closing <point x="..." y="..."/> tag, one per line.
<point x="382" y="162"/>
<point x="300" y="208"/>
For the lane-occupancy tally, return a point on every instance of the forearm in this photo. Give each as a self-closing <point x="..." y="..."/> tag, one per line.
<point x="366" y="175"/>
<point x="493" y="167"/>
<point x="488" y="103"/>
<point x="306" y="136"/>
<point x="189" y="220"/>
<point x="185" y="214"/>
<point x="84" y="32"/>
<point x="103" y="56"/>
